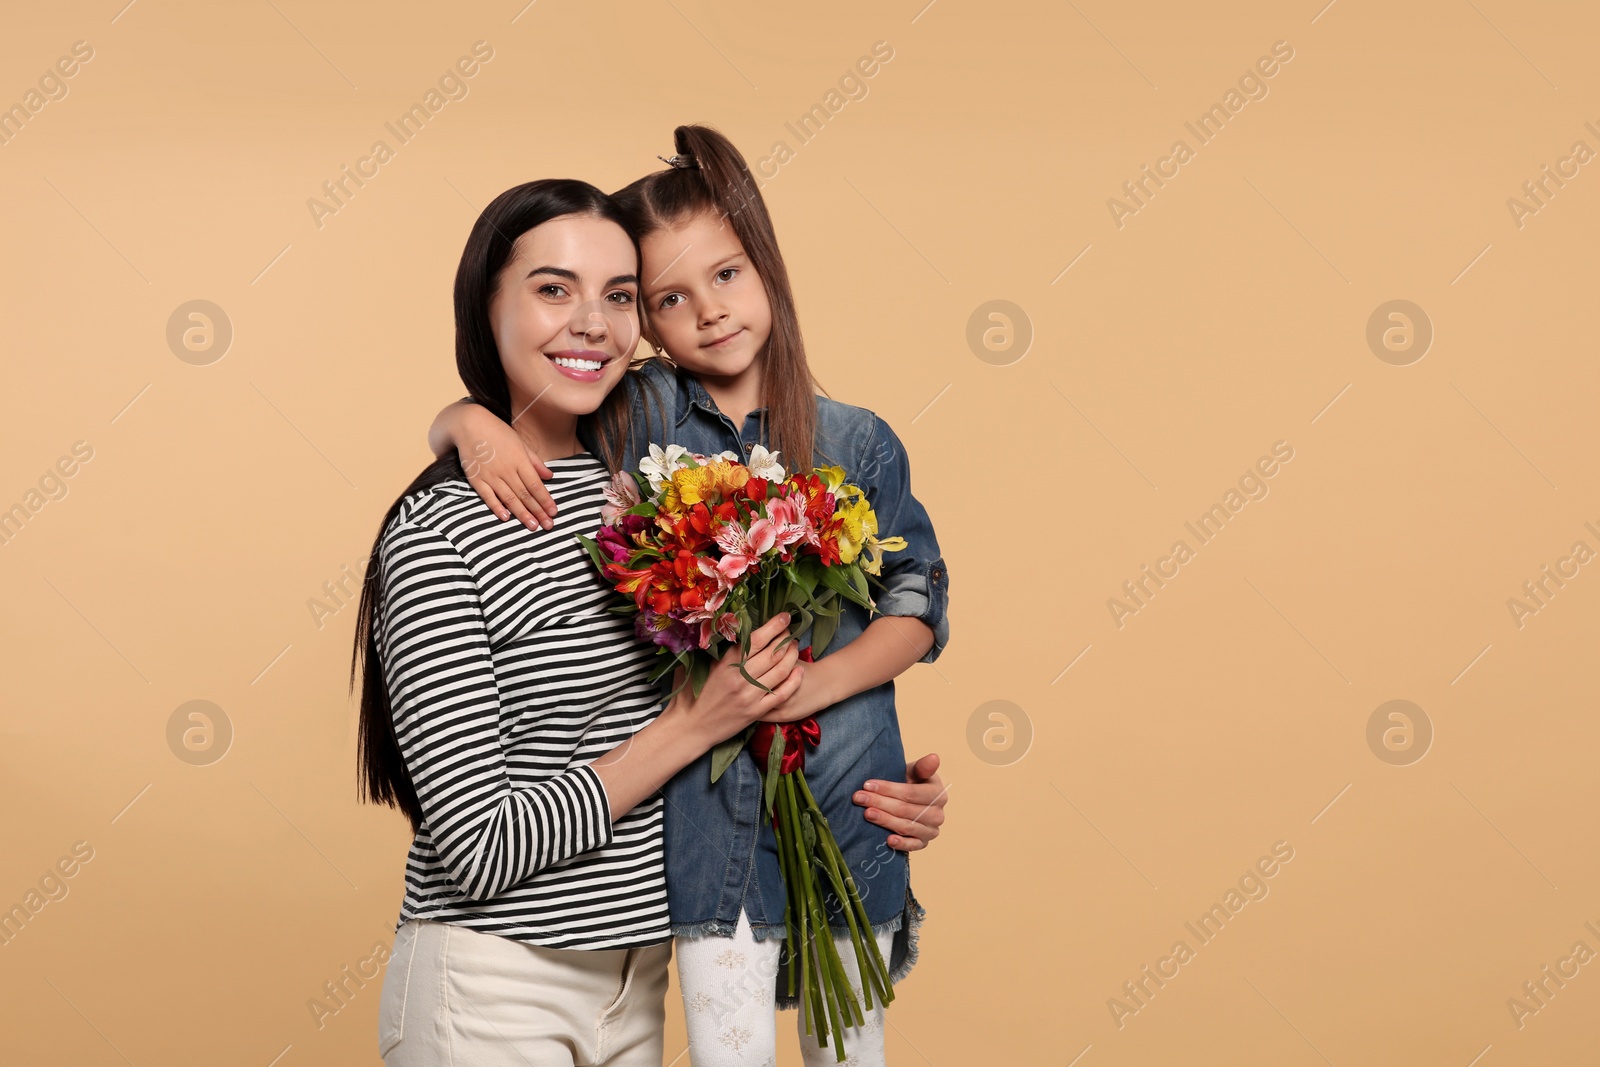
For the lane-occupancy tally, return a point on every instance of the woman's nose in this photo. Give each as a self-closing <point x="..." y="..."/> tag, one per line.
<point x="592" y="325"/>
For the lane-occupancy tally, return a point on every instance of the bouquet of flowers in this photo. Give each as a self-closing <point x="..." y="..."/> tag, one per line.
<point x="706" y="549"/>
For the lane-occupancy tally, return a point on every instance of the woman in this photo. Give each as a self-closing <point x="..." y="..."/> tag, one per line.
<point x="509" y="714"/>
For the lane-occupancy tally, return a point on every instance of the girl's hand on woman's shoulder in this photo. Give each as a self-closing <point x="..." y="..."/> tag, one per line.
<point x="912" y="811"/>
<point x="497" y="462"/>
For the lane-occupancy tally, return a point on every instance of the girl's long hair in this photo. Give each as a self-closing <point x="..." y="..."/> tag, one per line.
<point x="382" y="777"/>
<point x="716" y="179"/>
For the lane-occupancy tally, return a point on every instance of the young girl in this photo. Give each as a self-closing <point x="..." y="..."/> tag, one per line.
<point x="509" y="714"/>
<point x="716" y="303"/>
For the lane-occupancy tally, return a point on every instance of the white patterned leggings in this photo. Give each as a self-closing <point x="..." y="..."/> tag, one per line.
<point x="729" y="987"/>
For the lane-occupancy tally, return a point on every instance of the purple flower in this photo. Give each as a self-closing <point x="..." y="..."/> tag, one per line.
<point x="659" y="629"/>
<point x="613" y="545"/>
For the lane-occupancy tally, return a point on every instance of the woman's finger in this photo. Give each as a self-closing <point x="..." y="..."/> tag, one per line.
<point x="785" y="689"/>
<point x="774" y="664"/>
<point x="907" y="828"/>
<point x="905" y="844"/>
<point x="923" y="814"/>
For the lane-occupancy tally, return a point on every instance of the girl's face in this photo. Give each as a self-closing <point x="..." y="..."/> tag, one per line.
<point x="704" y="301"/>
<point x="565" y="314"/>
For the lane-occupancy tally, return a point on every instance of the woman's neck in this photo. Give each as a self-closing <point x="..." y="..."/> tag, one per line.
<point x="548" y="433"/>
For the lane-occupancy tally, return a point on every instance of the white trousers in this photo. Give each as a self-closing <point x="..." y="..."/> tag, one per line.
<point x="729" y="987"/>
<point x="455" y="997"/>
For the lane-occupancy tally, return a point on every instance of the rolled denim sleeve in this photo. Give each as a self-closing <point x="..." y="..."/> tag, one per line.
<point x="916" y="583"/>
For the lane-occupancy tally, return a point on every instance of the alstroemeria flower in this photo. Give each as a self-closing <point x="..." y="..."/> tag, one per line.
<point x="742" y="549"/>
<point x="621" y="494"/>
<point x="660" y="463"/>
<point x="788" y="517"/>
<point x="764" y="464"/>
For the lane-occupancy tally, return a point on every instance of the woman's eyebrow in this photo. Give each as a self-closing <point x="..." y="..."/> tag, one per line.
<point x="571" y="276"/>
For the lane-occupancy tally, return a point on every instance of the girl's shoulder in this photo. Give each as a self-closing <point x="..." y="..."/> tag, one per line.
<point x="850" y="434"/>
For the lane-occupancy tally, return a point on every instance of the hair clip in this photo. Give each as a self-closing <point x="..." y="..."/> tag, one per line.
<point x="681" y="162"/>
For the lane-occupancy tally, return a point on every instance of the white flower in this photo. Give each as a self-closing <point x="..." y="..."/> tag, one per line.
<point x="764" y="464"/>
<point x="659" y="465"/>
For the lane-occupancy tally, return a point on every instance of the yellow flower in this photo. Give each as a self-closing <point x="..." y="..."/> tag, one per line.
<point x="857" y="522"/>
<point x="873" y="564"/>
<point x="707" y="483"/>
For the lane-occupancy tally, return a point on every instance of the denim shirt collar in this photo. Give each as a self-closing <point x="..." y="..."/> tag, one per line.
<point x="691" y="395"/>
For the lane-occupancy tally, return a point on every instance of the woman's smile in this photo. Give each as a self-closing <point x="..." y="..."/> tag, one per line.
<point x="582" y="364"/>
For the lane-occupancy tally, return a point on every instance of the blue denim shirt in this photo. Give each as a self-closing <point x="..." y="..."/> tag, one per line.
<point x="721" y="852"/>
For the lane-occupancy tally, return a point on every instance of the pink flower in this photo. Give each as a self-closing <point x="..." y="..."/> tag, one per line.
<point x="788" y="517"/>
<point x="743" y="549"/>
<point x="621" y="494"/>
<point x="725" y="626"/>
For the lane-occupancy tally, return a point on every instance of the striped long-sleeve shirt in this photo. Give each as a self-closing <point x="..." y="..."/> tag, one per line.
<point x="507" y="678"/>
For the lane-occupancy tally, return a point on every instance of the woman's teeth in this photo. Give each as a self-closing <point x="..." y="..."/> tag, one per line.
<point x="578" y="364"/>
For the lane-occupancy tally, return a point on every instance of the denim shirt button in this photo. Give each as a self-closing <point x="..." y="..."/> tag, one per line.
<point x="748" y="448"/>
<point x="938" y="572"/>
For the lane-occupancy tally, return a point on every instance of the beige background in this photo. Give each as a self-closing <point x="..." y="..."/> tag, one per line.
<point x="1142" y="769"/>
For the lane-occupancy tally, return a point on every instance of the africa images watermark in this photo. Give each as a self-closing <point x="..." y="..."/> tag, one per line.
<point x="1252" y="85"/>
<point x="1252" y="485"/>
<point x="852" y="87"/>
<point x="452" y="86"/>
<point x="1538" y="192"/>
<point x="1537" y="992"/>
<point x="1538" y="591"/>
<point x="52" y="87"/>
<point x="1252" y="886"/>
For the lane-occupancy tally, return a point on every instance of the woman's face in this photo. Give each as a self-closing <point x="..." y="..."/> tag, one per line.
<point x="565" y="314"/>
<point x="705" y="302"/>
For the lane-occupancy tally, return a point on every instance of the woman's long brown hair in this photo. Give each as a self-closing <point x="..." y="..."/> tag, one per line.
<point x="717" y="180"/>
<point x="381" y="773"/>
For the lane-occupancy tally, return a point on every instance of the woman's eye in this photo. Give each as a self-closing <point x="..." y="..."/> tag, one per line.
<point x="552" y="290"/>
<point x="620" y="298"/>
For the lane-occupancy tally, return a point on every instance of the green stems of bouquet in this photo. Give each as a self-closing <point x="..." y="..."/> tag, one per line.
<point x="805" y="847"/>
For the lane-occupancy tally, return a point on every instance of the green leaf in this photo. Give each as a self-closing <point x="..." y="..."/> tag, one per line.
<point x="836" y="579"/>
<point x="593" y="549"/>
<point x="858" y="578"/>
<point x="805" y="575"/>
<point x="725" y="752"/>
<point x="822" y="631"/>
<point x="774" y="762"/>
<point x="747" y="675"/>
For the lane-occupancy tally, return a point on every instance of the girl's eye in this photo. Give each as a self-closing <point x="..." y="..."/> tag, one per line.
<point x="726" y="273"/>
<point x="667" y="301"/>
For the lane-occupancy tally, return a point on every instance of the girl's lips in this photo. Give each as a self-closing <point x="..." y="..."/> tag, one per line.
<point x="722" y="342"/>
<point x="577" y="374"/>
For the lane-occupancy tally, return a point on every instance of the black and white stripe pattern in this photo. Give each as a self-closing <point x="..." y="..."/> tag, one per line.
<point x="507" y="677"/>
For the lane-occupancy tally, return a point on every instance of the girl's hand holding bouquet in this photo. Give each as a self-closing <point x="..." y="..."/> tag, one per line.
<point x="707" y="550"/>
